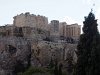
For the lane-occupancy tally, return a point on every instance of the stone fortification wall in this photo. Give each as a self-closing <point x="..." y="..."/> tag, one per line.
<point x="30" y="20"/>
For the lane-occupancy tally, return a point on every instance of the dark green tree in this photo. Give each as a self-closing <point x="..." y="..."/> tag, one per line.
<point x="88" y="49"/>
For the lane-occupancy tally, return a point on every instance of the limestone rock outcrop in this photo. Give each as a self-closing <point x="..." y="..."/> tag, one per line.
<point x="13" y="53"/>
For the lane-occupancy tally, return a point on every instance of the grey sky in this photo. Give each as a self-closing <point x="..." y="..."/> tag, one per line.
<point x="71" y="11"/>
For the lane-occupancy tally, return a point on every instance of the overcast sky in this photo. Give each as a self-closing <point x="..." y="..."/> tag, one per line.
<point x="71" y="11"/>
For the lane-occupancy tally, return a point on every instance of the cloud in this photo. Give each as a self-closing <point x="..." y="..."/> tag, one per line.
<point x="89" y="2"/>
<point x="98" y="17"/>
<point x="70" y="20"/>
<point x="98" y="13"/>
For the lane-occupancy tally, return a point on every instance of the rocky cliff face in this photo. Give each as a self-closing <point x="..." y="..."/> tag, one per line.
<point x="14" y="52"/>
<point x="45" y="51"/>
<point x="17" y="53"/>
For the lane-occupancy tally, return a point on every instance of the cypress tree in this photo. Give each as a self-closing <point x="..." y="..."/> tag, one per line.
<point x="88" y="49"/>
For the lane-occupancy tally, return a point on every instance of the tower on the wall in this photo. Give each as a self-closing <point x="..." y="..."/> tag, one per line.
<point x="54" y="29"/>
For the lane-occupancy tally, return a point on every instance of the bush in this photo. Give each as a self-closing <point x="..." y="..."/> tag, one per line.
<point x="35" y="70"/>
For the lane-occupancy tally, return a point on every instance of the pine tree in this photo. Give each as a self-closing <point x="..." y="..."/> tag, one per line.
<point x="88" y="49"/>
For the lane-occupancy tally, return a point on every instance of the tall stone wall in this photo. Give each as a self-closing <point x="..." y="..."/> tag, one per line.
<point x="62" y="28"/>
<point x="30" y="20"/>
<point x="29" y="23"/>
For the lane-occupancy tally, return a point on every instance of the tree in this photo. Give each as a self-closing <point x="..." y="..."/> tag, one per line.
<point x="88" y="49"/>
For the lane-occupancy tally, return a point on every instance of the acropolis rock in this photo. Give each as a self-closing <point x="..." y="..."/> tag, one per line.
<point x="32" y="41"/>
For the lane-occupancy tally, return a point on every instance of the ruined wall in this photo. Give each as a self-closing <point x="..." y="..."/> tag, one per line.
<point x="73" y="31"/>
<point x="62" y="28"/>
<point x="6" y="30"/>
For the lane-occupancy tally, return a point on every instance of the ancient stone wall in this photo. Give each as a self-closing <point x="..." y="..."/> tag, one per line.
<point x="62" y="28"/>
<point x="73" y="31"/>
<point x="30" y="20"/>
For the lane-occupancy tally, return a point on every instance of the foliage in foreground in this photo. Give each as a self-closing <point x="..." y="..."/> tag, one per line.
<point x="40" y="71"/>
<point x="88" y="49"/>
<point x="32" y="70"/>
